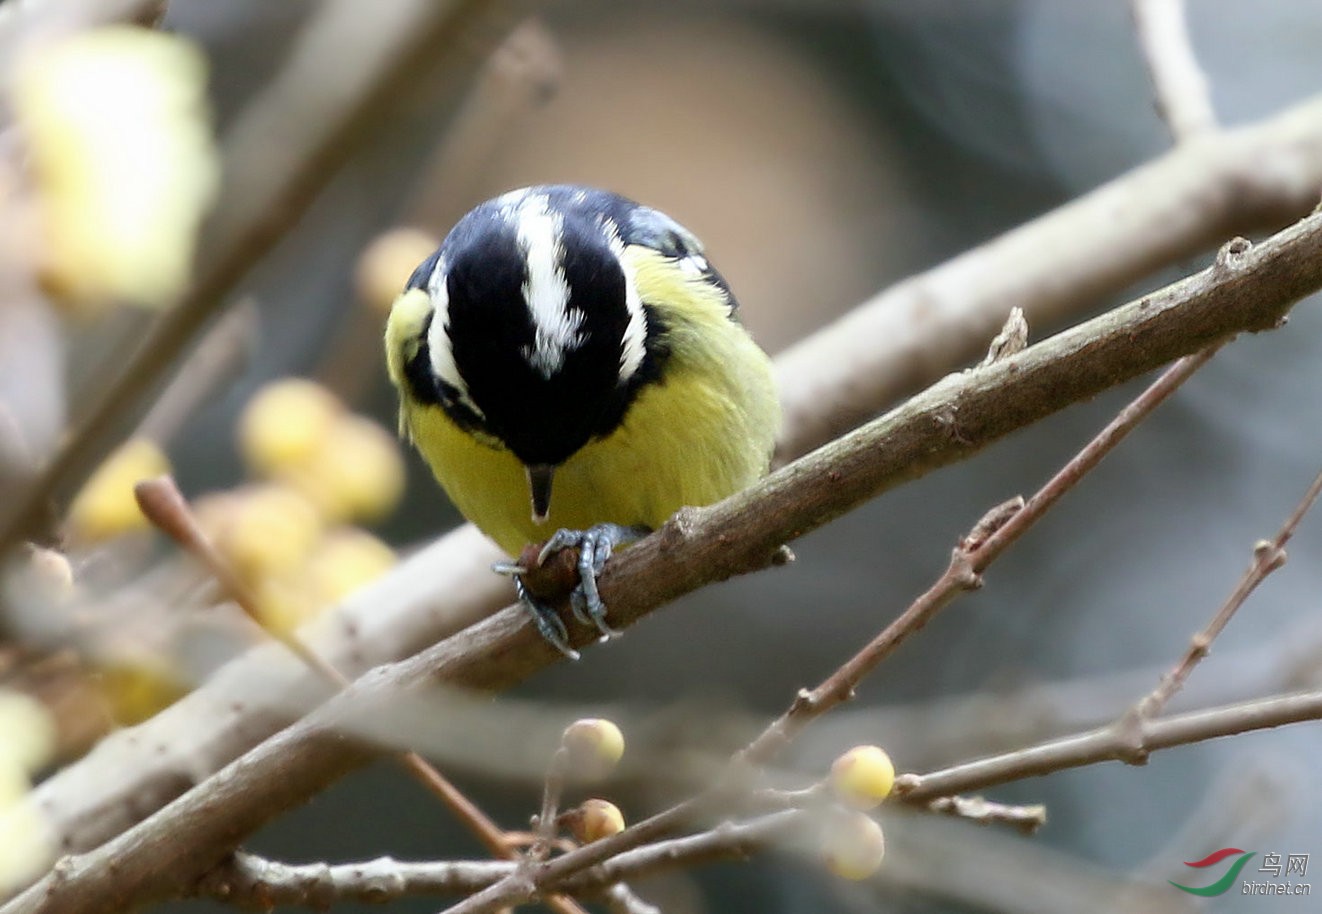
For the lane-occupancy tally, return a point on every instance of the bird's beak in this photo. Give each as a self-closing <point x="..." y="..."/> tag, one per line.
<point x="539" y="485"/>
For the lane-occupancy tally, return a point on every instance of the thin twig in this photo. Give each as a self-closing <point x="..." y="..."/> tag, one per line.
<point x="1268" y="555"/>
<point x="248" y="881"/>
<point x="1179" y="85"/>
<point x="621" y="899"/>
<point x="1109" y="743"/>
<point x="988" y="540"/>
<point x="552" y="788"/>
<point x="165" y="506"/>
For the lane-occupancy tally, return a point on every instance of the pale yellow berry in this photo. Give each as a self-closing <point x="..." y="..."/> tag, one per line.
<point x="285" y="601"/>
<point x="105" y="507"/>
<point x="594" y="747"/>
<point x="387" y="263"/>
<point x="863" y="776"/>
<point x="285" y="424"/>
<point x="852" y="845"/>
<point x="114" y="122"/>
<point x="27" y="731"/>
<point x="595" y="819"/>
<point x="344" y="561"/>
<point x="358" y="473"/>
<point x="26" y="843"/>
<point x="273" y="531"/>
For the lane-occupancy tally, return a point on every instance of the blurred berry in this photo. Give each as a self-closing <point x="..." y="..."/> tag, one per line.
<point x="105" y="507"/>
<point x="285" y="425"/>
<point x="595" y="819"/>
<point x="358" y="473"/>
<point x="344" y="561"/>
<point x="594" y="746"/>
<point x="114" y="120"/>
<point x="272" y="531"/>
<point x="386" y="264"/>
<point x="863" y="776"/>
<point x="852" y="845"/>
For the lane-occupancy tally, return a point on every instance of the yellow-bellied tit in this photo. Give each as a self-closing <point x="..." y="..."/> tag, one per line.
<point x="574" y="351"/>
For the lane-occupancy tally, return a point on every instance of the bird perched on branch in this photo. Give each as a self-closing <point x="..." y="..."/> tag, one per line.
<point x="570" y="359"/>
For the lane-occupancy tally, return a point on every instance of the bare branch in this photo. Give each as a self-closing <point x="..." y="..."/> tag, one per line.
<point x="988" y="540"/>
<point x="251" y="882"/>
<point x="1179" y="86"/>
<point x="1112" y="743"/>
<point x="1267" y="557"/>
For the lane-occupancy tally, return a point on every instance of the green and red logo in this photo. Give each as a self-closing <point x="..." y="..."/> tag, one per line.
<point x="1222" y="885"/>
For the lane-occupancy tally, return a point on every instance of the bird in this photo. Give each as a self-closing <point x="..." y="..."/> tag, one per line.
<point x="569" y="360"/>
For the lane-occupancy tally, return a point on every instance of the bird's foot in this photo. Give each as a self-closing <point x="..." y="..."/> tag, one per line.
<point x="594" y="547"/>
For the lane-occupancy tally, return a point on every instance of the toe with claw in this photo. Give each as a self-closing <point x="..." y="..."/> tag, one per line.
<point x="595" y="546"/>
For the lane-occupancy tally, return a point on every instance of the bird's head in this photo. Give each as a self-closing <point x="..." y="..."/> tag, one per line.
<point x="536" y="337"/>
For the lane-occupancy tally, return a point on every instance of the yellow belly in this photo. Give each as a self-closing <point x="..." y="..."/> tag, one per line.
<point x="703" y="433"/>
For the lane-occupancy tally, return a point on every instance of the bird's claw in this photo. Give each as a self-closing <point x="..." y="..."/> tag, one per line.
<point x="594" y="548"/>
<point x="546" y="619"/>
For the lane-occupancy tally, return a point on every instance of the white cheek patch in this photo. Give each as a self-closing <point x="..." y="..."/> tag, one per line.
<point x="438" y="339"/>
<point x="557" y="328"/>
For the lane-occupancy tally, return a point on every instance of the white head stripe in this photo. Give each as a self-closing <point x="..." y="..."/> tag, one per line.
<point x="546" y="290"/>
<point x="633" y="346"/>
<point x="438" y="337"/>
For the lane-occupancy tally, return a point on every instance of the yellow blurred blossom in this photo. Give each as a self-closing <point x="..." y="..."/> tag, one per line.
<point x="358" y="474"/>
<point x="272" y="531"/>
<point x="346" y="560"/>
<point x="27" y="732"/>
<point x="106" y="507"/>
<point x="116" y="123"/>
<point x="386" y="264"/>
<point x="26" y="843"/>
<point x="285" y="424"/>
<point x="27" y="741"/>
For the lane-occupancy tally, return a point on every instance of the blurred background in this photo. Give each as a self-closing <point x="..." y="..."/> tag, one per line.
<point x="822" y="150"/>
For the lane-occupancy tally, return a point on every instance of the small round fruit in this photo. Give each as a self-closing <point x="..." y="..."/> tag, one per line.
<point x="853" y="846"/>
<point x="594" y="746"/>
<point x="357" y="474"/>
<point x="106" y="507"/>
<point x="285" y="425"/>
<point x="863" y="776"/>
<point x="596" y="819"/>
<point x="386" y="264"/>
